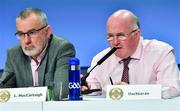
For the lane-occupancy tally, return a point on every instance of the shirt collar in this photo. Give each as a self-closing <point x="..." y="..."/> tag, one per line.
<point x="138" y="52"/>
<point x="39" y="57"/>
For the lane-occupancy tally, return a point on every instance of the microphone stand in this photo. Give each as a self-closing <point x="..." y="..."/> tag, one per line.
<point x="83" y="79"/>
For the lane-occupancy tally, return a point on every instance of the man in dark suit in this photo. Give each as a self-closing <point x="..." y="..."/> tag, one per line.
<point x="41" y="58"/>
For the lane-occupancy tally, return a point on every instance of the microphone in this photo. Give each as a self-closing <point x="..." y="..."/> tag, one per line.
<point x="6" y="80"/>
<point x="83" y="79"/>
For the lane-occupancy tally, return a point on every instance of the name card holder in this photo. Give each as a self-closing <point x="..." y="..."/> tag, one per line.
<point x="29" y="94"/>
<point x="133" y="92"/>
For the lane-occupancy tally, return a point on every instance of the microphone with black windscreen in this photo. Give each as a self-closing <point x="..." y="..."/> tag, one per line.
<point x="83" y="79"/>
<point x="7" y="80"/>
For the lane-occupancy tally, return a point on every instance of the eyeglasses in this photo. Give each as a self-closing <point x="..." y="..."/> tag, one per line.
<point x="31" y="33"/>
<point x="120" y="36"/>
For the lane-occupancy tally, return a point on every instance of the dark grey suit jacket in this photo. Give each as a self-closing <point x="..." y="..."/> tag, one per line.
<point x="53" y="67"/>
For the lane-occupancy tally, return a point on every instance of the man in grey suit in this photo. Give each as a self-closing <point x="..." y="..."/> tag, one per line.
<point x="41" y="58"/>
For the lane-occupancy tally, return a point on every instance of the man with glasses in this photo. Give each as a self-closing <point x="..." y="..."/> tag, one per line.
<point x="136" y="61"/>
<point x="41" y="58"/>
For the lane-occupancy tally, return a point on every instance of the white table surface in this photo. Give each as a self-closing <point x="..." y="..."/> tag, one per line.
<point x="100" y="104"/>
<point x="21" y="106"/>
<point x="95" y="104"/>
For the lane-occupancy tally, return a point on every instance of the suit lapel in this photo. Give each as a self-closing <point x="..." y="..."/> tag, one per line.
<point x="43" y="65"/>
<point x="27" y="73"/>
<point x="42" y="70"/>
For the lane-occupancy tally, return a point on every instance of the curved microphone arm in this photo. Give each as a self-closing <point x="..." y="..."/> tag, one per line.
<point x="83" y="79"/>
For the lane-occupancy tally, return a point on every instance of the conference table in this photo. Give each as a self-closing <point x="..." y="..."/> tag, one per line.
<point x="95" y="104"/>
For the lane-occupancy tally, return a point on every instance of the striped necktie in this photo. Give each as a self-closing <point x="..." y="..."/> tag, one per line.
<point x="125" y="75"/>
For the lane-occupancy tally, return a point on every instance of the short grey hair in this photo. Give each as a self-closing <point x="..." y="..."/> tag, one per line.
<point x="136" y="23"/>
<point x="26" y="12"/>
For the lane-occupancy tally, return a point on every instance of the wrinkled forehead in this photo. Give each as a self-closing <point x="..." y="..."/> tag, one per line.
<point x="122" y="19"/>
<point x="30" y="22"/>
<point x="119" y="25"/>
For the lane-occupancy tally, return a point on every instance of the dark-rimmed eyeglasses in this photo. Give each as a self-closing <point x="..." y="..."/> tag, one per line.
<point x="31" y="33"/>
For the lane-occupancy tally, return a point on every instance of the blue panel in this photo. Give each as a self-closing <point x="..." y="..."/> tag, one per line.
<point x="83" y="22"/>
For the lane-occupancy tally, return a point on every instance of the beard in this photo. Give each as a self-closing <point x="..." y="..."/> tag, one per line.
<point x="34" y="51"/>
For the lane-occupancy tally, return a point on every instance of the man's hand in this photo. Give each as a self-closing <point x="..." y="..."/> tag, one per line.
<point x="84" y="87"/>
<point x="121" y="83"/>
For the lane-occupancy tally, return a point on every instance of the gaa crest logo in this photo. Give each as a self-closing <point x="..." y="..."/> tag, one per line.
<point x="4" y="95"/>
<point x="116" y="93"/>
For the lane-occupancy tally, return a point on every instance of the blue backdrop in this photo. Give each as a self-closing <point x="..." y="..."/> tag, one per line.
<point x="83" y="22"/>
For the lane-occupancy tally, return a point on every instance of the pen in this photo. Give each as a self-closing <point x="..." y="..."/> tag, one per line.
<point x="111" y="80"/>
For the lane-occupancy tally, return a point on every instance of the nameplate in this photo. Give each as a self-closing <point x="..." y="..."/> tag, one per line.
<point x="29" y="94"/>
<point x="133" y="92"/>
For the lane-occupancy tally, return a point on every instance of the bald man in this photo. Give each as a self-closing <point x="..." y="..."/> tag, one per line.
<point x="149" y="61"/>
